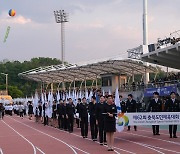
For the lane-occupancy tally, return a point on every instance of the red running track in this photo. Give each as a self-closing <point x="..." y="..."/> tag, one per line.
<point x="22" y="136"/>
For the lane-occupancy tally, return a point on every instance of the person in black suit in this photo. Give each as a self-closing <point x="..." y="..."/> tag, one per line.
<point x="60" y="114"/>
<point x="122" y="104"/>
<point x="65" y="116"/>
<point x="172" y="105"/>
<point x="93" y="125"/>
<point x="30" y="110"/>
<point x="70" y="115"/>
<point x="40" y="111"/>
<point x="54" y="112"/>
<point x="100" y="120"/>
<point x="131" y="106"/>
<point x="83" y="115"/>
<point x="77" y="111"/>
<point x="110" y="112"/>
<point x="155" y="105"/>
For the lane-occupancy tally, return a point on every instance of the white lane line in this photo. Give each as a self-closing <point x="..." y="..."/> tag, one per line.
<point x="80" y="149"/>
<point x="1" y="152"/>
<point x="46" y="135"/>
<point x="81" y="137"/>
<point x="86" y="138"/>
<point x="34" y="149"/>
<point x="141" y="144"/>
<point x="97" y="143"/>
<point x="153" y="138"/>
<point x="163" y="149"/>
<point x="40" y="150"/>
<point x="167" y="134"/>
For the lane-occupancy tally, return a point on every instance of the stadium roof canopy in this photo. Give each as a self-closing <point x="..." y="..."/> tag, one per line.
<point x="169" y="56"/>
<point x="91" y="71"/>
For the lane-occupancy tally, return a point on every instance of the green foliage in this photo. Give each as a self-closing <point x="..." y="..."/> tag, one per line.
<point x="17" y="86"/>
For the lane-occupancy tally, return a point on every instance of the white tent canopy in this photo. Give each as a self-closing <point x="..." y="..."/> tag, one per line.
<point x="70" y="73"/>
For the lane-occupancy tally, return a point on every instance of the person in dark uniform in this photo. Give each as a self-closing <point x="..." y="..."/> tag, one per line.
<point x="36" y="114"/>
<point x="65" y="116"/>
<point x="30" y="110"/>
<point x="54" y="112"/>
<point x="70" y="114"/>
<point x="100" y="120"/>
<point x="131" y="106"/>
<point x="83" y="114"/>
<point x="58" y="106"/>
<point x="110" y="112"/>
<point x="172" y="105"/>
<point x="40" y="111"/>
<point x="44" y="114"/>
<point x="60" y="114"/>
<point x="77" y="111"/>
<point x="93" y="125"/>
<point x="123" y="104"/>
<point x="155" y="105"/>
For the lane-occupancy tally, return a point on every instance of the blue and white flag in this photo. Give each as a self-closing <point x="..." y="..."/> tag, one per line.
<point x="117" y="100"/>
<point x="120" y="121"/>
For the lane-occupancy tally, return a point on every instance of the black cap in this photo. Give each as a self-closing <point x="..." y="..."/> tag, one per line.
<point x="156" y="93"/>
<point x="172" y="93"/>
<point x="130" y="95"/>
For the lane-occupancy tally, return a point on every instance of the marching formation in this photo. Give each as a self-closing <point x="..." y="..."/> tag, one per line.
<point x="97" y="112"/>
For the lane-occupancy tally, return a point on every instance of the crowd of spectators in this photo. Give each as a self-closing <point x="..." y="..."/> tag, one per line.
<point x="171" y="78"/>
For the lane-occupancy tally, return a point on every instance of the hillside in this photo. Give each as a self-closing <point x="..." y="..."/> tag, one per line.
<point x="18" y="87"/>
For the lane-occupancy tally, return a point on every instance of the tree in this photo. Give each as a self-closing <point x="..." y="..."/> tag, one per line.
<point x="18" y="86"/>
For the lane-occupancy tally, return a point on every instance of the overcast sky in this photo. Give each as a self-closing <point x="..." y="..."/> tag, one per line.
<point x="96" y="28"/>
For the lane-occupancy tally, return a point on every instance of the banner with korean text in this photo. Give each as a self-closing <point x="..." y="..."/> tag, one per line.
<point x="147" y="118"/>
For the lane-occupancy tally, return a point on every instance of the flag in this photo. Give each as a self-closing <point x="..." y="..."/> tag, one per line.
<point x="103" y="93"/>
<point x="110" y="92"/>
<point x="75" y="98"/>
<point x="90" y="95"/>
<point x="58" y="96"/>
<point x="80" y="94"/>
<point x="69" y="95"/>
<point x="35" y="101"/>
<point x="86" y="94"/>
<point x="119" y="122"/>
<point x="117" y="100"/>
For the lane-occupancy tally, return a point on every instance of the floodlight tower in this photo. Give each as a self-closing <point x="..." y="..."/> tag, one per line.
<point x="61" y="17"/>
<point x="145" y="36"/>
<point x="145" y="25"/>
